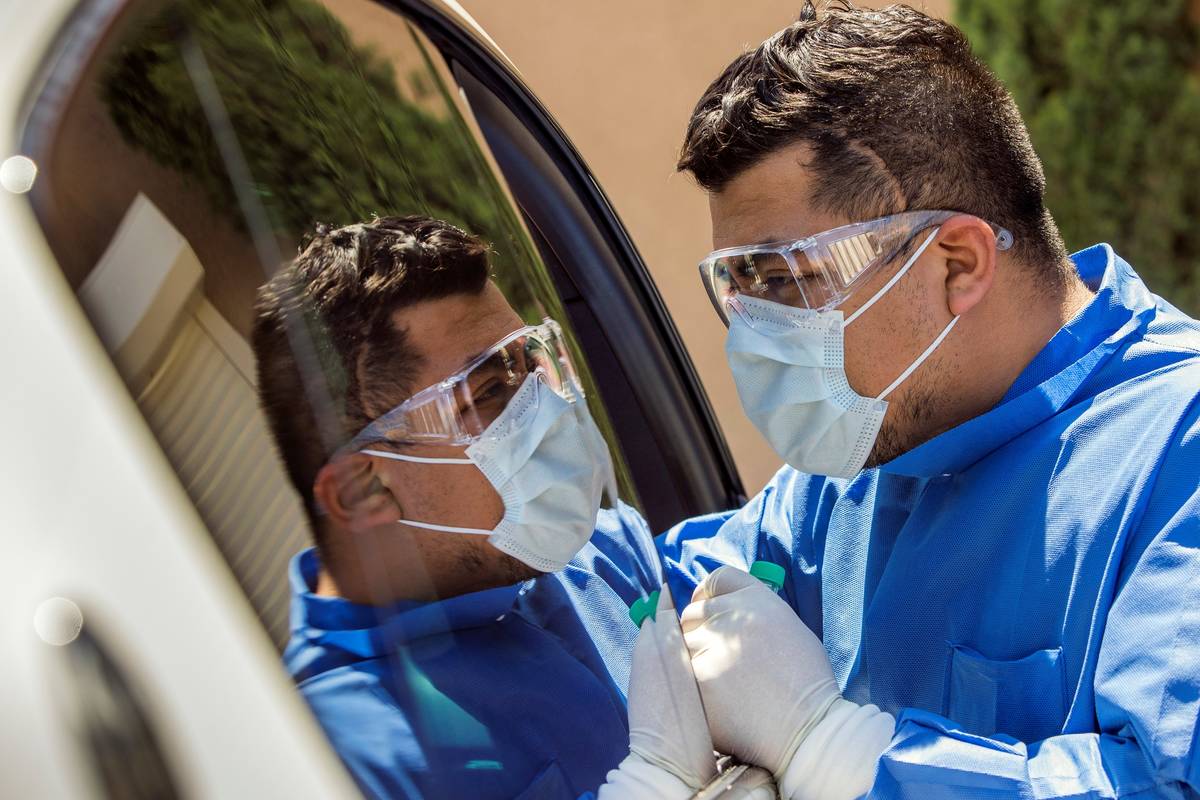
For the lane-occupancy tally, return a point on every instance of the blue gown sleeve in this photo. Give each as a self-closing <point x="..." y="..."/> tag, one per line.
<point x="1147" y="685"/>
<point x="763" y="529"/>
<point x="691" y="549"/>
<point x="631" y="560"/>
<point x="642" y="542"/>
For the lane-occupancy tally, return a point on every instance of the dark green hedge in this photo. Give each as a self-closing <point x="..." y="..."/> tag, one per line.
<point x="1110" y="90"/>
<point x="324" y="127"/>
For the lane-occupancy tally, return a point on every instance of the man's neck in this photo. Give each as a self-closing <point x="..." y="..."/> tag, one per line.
<point x="1055" y="315"/>
<point x="1010" y="338"/>
<point x="391" y="568"/>
<point x="326" y="585"/>
<point x="1075" y="299"/>
<point x="1033" y="322"/>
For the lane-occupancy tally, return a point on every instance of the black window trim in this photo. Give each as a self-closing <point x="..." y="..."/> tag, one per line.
<point x="624" y="297"/>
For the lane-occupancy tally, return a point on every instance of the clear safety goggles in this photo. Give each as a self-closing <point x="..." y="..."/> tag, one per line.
<point x="458" y="409"/>
<point x="822" y="271"/>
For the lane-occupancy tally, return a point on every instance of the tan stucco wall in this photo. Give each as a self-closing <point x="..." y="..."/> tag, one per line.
<point x="621" y="77"/>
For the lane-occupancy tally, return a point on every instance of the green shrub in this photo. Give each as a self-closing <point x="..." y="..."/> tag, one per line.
<point x="324" y="128"/>
<point x="1111" y="93"/>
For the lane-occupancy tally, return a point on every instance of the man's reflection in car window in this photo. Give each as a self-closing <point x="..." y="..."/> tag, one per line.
<point x="443" y="663"/>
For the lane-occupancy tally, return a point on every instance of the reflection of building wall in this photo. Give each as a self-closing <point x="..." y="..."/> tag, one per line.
<point x="621" y="77"/>
<point x="94" y="177"/>
<point x="193" y="378"/>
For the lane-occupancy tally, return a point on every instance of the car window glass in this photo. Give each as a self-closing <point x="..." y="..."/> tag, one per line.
<point x="208" y="145"/>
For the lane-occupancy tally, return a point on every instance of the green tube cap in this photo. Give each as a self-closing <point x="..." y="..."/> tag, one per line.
<point x="769" y="573"/>
<point x="642" y="608"/>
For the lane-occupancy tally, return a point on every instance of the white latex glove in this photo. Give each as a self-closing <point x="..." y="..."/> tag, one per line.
<point x="670" y="750"/>
<point x="768" y="689"/>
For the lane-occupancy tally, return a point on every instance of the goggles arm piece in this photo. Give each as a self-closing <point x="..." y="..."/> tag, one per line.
<point x="893" y="280"/>
<point x="852" y="255"/>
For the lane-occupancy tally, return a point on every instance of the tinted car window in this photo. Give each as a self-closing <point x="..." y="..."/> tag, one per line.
<point x="208" y="145"/>
<point x="355" y="120"/>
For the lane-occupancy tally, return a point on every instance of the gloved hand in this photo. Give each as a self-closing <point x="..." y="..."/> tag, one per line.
<point x="670" y="750"/>
<point x="768" y="689"/>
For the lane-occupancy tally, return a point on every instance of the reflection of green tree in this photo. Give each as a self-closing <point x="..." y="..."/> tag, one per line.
<point x="1111" y="92"/>
<point x="325" y="131"/>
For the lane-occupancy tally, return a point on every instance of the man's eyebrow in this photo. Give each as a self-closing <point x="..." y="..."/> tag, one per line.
<point x="471" y="359"/>
<point x="760" y="242"/>
<point x="476" y="357"/>
<point x="488" y="350"/>
<point x="780" y="239"/>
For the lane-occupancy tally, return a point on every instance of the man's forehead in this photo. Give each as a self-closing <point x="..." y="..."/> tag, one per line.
<point x="448" y="332"/>
<point x="769" y="201"/>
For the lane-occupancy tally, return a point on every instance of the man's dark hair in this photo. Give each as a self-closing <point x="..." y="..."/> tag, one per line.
<point x="338" y="296"/>
<point x="899" y="115"/>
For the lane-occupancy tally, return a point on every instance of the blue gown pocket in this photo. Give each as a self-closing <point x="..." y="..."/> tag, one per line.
<point x="1024" y="698"/>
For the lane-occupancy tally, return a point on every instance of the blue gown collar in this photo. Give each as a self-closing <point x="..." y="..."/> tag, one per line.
<point x="1121" y="305"/>
<point x="370" y="631"/>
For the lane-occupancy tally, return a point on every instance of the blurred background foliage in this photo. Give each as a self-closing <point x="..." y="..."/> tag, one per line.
<point x="327" y="131"/>
<point x="1111" y="93"/>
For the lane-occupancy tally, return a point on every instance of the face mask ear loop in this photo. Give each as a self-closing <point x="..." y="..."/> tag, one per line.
<point x="416" y="459"/>
<point x="422" y="460"/>
<point x="444" y="528"/>
<point x="920" y="359"/>
<point x="899" y="274"/>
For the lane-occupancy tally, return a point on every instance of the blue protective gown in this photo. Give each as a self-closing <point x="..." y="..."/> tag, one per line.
<point x="1022" y="591"/>
<point x="516" y="692"/>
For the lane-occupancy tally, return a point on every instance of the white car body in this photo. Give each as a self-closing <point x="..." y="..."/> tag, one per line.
<point x="87" y="502"/>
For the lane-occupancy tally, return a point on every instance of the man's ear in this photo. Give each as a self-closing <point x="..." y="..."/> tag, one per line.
<point x="969" y="247"/>
<point x="352" y="495"/>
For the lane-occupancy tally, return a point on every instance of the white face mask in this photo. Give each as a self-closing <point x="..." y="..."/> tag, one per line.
<point x="550" y="464"/>
<point x="788" y="364"/>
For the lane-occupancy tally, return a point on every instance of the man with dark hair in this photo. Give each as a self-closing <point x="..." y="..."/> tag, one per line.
<point x="990" y="519"/>
<point x="462" y="628"/>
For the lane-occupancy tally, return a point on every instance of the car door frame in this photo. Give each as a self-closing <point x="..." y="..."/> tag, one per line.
<point x="680" y="461"/>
